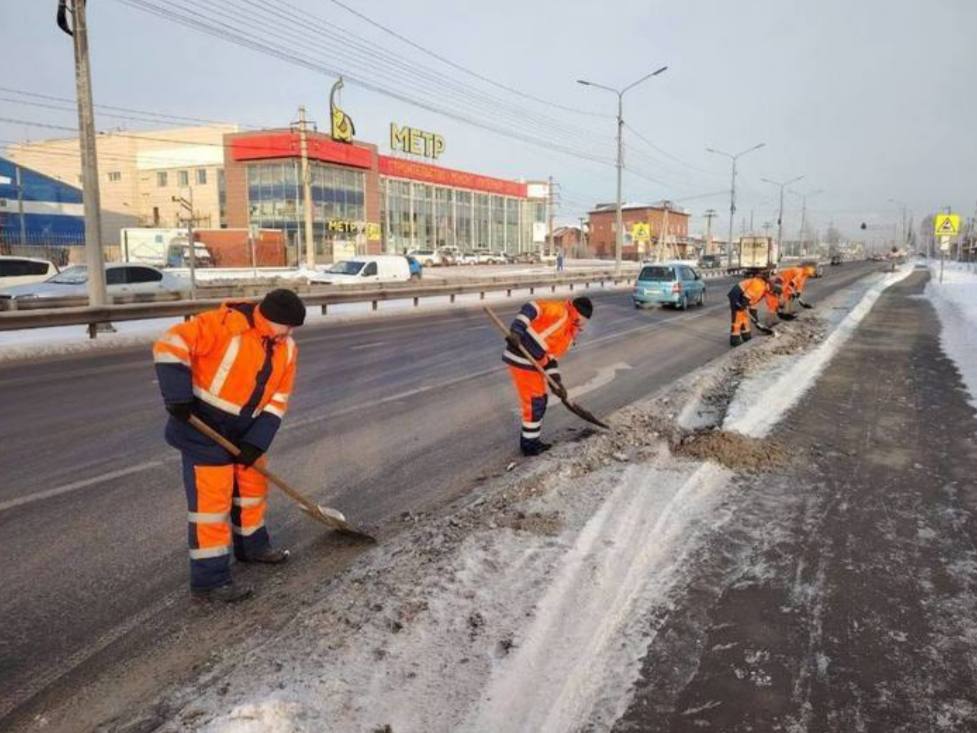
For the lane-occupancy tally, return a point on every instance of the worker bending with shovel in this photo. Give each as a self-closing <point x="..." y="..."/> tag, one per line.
<point x="744" y="300"/>
<point x="793" y="280"/>
<point x="545" y="329"/>
<point x="233" y="368"/>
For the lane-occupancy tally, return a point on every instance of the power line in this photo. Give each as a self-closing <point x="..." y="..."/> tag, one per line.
<point x="464" y="69"/>
<point x="243" y="39"/>
<point x="668" y="154"/>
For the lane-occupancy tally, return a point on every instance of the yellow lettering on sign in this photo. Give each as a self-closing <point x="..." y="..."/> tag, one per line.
<point x="399" y="138"/>
<point x="416" y="142"/>
<point x="438" y="146"/>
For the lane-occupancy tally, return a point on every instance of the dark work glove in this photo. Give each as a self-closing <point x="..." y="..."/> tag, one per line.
<point x="180" y="410"/>
<point x="248" y="455"/>
<point x="512" y="338"/>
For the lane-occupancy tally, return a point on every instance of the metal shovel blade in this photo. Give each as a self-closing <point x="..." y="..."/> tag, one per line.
<point x="335" y="519"/>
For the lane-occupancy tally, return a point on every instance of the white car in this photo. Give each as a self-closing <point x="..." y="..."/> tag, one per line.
<point x="24" y="270"/>
<point x="120" y="280"/>
<point x="365" y="269"/>
<point x="427" y="257"/>
<point x="467" y="258"/>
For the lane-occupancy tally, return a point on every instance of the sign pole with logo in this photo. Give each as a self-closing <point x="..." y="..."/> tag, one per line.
<point x="945" y="226"/>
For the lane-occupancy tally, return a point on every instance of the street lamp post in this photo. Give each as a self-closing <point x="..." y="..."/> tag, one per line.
<point x="732" y="194"/>
<point x="619" y="242"/>
<point x="803" y="197"/>
<point x="901" y="205"/>
<point x="780" y="213"/>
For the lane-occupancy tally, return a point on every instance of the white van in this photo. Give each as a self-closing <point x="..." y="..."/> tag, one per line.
<point x="24" y="270"/>
<point x="364" y="269"/>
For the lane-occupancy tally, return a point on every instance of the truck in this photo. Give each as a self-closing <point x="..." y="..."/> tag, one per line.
<point x="161" y="248"/>
<point x="758" y="253"/>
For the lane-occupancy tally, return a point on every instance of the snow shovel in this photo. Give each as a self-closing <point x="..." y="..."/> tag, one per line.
<point x="760" y="327"/>
<point x="558" y="389"/>
<point x="326" y="515"/>
<point x="803" y="303"/>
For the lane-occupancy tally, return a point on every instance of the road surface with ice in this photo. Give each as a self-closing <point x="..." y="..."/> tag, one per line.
<point x="393" y="416"/>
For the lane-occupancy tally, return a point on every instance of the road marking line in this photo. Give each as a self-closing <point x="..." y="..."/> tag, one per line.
<point x="76" y="485"/>
<point x="372" y="344"/>
<point x="604" y="376"/>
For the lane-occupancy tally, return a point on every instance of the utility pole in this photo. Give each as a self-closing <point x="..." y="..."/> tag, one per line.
<point x="549" y="217"/>
<point x="94" y="258"/>
<point x="308" y="237"/>
<point x="619" y="240"/>
<point x="732" y="194"/>
<point x="780" y="211"/>
<point x="582" y="252"/>
<point x="710" y="215"/>
<point x="187" y="205"/>
<point x="20" y="207"/>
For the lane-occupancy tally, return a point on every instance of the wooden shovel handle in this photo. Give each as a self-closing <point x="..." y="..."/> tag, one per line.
<point x="235" y="451"/>
<point x="557" y="388"/>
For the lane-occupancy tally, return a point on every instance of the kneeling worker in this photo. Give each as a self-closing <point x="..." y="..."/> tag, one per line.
<point x="744" y="299"/>
<point x="233" y="368"/>
<point x="546" y="329"/>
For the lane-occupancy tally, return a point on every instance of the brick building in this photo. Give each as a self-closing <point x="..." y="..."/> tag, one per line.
<point x="603" y="230"/>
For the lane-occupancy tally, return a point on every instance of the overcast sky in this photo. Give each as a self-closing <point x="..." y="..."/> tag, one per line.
<point x="869" y="100"/>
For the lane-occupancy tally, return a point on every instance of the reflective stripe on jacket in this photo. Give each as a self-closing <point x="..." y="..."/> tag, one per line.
<point x="237" y="372"/>
<point x="546" y="329"/>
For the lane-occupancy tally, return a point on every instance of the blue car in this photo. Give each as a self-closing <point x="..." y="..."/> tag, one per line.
<point x="674" y="284"/>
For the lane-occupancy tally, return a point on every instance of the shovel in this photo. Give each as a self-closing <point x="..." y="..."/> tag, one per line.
<point x="558" y="389"/>
<point x="327" y="516"/>
<point x="760" y="327"/>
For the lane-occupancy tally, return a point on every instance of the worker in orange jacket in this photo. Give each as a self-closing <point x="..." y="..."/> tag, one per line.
<point x="794" y="279"/>
<point x="234" y="368"/>
<point x="744" y="300"/>
<point x="545" y="329"/>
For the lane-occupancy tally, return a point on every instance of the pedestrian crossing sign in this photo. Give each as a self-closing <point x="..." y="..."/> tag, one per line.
<point x="947" y="225"/>
<point x="641" y="232"/>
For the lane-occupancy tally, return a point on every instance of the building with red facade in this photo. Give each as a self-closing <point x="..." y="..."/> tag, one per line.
<point x="639" y="241"/>
<point x="365" y="202"/>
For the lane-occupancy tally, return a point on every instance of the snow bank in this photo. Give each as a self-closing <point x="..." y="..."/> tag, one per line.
<point x="955" y="301"/>
<point x="764" y="397"/>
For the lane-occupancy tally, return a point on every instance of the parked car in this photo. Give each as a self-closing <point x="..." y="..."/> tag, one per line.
<point x="836" y="259"/>
<point x="467" y="258"/>
<point x="427" y="257"/>
<point x="815" y="267"/>
<point x="120" y="279"/>
<point x="711" y="262"/>
<point x="365" y="269"/>
<point x="484" y="257"/>
<point x="416" y="269"/>
<point x="498" y="258"/>
<point x="674" y="284"/>
<point x="528" y="258"/>
<point x="24" y="270"/>
<point x="449" y="255"/>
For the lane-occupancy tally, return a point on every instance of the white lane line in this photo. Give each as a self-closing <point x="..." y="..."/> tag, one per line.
<point x="371" y="345"/>
<point x="604" y="376"/>
<point x="76" y="485"/>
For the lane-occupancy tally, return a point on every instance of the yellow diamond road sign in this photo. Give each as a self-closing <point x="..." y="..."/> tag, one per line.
<point x="641" y="232"/>
<point x="947" y="225"/>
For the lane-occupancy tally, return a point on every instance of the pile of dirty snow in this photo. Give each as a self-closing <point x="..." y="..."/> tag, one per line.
<point x="955" y="300"/>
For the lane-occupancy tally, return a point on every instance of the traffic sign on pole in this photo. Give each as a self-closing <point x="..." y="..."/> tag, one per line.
<point x="946" y="225"/>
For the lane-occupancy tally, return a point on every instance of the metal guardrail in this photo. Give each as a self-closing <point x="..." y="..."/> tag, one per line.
<point x="43" y="313"/>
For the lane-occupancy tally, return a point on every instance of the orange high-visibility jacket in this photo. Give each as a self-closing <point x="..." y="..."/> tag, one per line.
<point x="230" y="362"/>
<point x="546" y="328"/>
<point x="794" y="280"/>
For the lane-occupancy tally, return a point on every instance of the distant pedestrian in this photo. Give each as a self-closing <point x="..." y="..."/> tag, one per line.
<point x="559" y="261"/>
<point x="233" y="368"/>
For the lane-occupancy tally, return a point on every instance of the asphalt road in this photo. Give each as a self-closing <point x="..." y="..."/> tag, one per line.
<point x="389" y="416"/>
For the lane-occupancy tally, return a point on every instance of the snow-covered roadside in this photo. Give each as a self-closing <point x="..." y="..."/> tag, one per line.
<point x="37" y="343"/>
<point x="531" y="606"/>
<point x="955" y="301"/>
<point x="762" y="399"/>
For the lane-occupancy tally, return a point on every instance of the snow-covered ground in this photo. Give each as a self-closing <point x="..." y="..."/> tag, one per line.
<point x="955" y="300"/>
<point x="530" y="606"/>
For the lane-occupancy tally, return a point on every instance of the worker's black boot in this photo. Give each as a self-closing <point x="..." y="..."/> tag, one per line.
<point x="269" y="555"/>
<point x="533" y="447"/>
<point x="227" y="593"/>
<point x="735" y="339"/>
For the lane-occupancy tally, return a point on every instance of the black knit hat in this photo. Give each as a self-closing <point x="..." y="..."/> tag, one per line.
<point x="584" y="307"/>
<point x="283" y="307"/>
